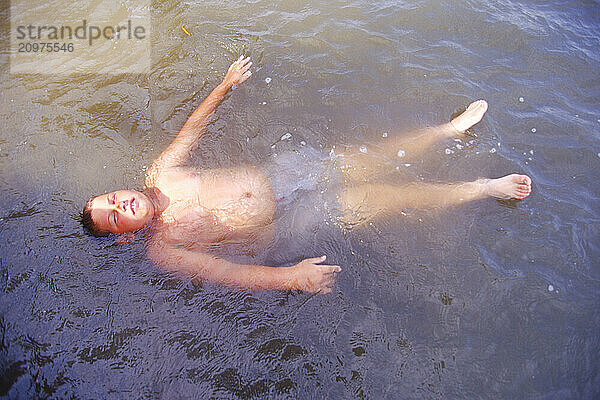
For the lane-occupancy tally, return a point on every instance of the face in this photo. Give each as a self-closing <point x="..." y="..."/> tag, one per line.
<point x="121" y="211"/>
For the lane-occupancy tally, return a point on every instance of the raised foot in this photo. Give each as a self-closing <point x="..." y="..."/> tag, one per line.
<point x="472" y="115"/>
<point x="512" y="186"/>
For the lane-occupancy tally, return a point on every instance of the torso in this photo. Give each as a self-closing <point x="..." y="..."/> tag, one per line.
<point x="209" y="209"/>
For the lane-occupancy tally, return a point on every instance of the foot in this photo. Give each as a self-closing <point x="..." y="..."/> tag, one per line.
<point x="472" y="115"/>
<point x="512" y="186"/>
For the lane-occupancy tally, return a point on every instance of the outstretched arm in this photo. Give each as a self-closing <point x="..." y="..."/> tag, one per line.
<point x="179" y="150"/>
<point x="307" y="275"/>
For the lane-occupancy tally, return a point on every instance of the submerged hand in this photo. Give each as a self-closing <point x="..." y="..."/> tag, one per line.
<point x="312" y="277"/>
<point x="238" y="72"/>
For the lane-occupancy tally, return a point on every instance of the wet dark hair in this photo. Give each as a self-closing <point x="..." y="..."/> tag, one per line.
<point x="88" y="222"/>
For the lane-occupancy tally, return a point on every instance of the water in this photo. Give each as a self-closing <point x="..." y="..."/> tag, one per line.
<point x="446" y="304"/>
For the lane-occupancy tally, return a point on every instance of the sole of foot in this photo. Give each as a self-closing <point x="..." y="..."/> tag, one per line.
<point x="512" y="186"/>
<point x="472" y="115"/>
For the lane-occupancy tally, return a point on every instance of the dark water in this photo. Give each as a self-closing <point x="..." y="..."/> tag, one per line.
<point x="488" y="300"/>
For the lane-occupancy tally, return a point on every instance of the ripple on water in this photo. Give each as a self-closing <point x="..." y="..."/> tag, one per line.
<point x="443" y="299"/>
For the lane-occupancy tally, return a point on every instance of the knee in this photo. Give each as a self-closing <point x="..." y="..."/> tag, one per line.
<point x="355" y="207"/>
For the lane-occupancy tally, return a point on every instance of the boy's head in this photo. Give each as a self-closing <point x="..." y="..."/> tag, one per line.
<point x="117" y="212"/>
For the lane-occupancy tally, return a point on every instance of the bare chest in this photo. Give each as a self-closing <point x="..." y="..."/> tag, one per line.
<point x="215" y="206"/>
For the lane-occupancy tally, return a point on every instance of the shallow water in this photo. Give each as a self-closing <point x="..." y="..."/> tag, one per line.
<point x="490" y="300"/>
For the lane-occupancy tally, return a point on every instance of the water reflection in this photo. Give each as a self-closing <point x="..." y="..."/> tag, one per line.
<point x="73" y="307"/>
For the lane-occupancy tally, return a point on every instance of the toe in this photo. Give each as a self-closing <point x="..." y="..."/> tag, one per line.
<point x="481" y="105"/>
<point x="525" y="179"/>
<point x="476" y="104"/>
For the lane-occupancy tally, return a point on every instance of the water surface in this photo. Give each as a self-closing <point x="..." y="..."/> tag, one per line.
<point x="488" y="300"/>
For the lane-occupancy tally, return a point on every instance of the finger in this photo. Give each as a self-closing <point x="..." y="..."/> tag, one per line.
<point x="246" y="75"/>
<point x="243" y="64"/>
<point x="328" y="285"/>
<point x="235" y="63"/>
<point x="246" y="67"/>
<point x="316" y="260"/>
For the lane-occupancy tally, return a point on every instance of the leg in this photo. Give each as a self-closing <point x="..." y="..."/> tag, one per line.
<point x="360" y="166"/>
<point x="363" y="202"/>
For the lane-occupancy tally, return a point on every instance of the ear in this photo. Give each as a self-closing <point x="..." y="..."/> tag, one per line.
<point x="125" y="238"/>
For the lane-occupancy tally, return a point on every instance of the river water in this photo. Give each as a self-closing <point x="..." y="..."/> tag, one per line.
<point x="491" y="300"/>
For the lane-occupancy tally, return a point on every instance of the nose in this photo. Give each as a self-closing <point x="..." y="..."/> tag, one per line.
<point x="123" y="205"/>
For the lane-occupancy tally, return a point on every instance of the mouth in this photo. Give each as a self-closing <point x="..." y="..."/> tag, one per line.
<point x="132" y="206"/>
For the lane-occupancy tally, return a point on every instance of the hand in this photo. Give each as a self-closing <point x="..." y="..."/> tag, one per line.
<point x="312" y="277"/>
<point x="238" y="72"/>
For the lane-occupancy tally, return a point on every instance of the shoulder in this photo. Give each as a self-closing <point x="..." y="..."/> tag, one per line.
<point x="155" y="176"/>
<point x="159" y="247"/>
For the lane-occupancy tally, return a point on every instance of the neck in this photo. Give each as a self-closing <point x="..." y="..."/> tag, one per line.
<point x="158" y="199"/>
